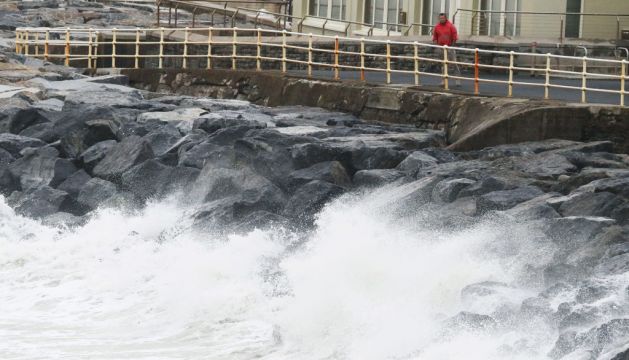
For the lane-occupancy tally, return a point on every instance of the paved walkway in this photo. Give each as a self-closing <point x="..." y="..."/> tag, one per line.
<point x="491" y="89"/>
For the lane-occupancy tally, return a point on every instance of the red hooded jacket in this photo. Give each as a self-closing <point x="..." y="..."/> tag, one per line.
<point x="445" y="34"/>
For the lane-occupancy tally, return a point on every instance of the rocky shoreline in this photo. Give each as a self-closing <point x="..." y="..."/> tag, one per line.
<point x="71" y="145"/>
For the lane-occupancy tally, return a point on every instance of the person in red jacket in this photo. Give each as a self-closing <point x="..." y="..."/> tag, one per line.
<point x="445" y="33"/>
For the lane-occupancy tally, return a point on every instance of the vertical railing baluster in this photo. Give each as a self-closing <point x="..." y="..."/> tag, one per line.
<point x="283" y="51"/>
<point x="259" y="51"/>
<point x="185" y="48"/>
<point x="234" y="49"/>
<point x="161" y="48"/>
<point x="511" y="62"/>
<point x="46" y="44"/>
<point x="209" y="48"/>
<point x="310" y="55"/>
<point x="89" y="49"/>
<point x="67" y="48"/>
<point x="362" y="59"/>
<point x="36" y="45"/>
<point x="137" y="48"/>
<point x="547" y="83"/>
<point x="476" y="73"/>
<point x="584" y="81"/>
<point x="27" y="38"/>
<point x="95" y="56"/>
<point x="445" y="68"/>
<point x="623" y="76"/>
<point x="388" y="61"/>
<point x="416" y="61"/>
<point x="113" y="48"/>
<point x="336" y="58"/>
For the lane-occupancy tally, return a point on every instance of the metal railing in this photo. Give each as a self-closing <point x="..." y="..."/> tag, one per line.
<point x="541" y="25"/>
<point x="133" y="48"/>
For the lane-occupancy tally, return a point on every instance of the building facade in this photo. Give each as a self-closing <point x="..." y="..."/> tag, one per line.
<point x="592" y="19"/>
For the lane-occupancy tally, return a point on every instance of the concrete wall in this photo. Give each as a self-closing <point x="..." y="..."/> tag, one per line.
<point x="604" y="27"/>
<point x="471" y="123"/>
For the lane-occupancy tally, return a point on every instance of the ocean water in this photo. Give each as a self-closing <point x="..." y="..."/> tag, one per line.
<point x="376" y="278"/>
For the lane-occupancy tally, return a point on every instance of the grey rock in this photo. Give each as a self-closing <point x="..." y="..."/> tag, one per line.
<point x="506" y="199"/>
<point x="74" y="183"/>
<point x="575" y="231"/>
<point x="376" y="177"/>
<point x="330" y="171"/>
<point x="310" y="199"/>
<point x="447" y="190"/>
<point x="16" y="143"/>
<point x="98" y="193"/>
<point x="485" y="185"/>
<point x="41" y="167"/>
<point x="123" y="156"/>
<point x="152" y="179"/>
<point x="163" y="138"/>
<point x="95" y="153"/>
<point x="600" y="204"/>
<point x="416" y="161"/>
<point x="40" y="202"/>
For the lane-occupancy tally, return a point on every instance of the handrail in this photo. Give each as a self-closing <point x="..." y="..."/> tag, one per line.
<point x="536" y="12"/>
<point x="95" y="47"/>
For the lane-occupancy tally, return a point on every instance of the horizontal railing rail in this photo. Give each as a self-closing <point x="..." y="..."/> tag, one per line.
<point x="160" y="48"/>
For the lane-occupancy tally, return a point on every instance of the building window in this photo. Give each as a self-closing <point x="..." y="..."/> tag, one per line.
<point x="383" y="14"/>
<point x="573" y="19"/>
<point x="498" y="18"/>
<point x="331" y="9"/>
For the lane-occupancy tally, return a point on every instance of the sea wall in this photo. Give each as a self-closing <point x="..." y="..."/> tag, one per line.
<point x="471" y="122"/>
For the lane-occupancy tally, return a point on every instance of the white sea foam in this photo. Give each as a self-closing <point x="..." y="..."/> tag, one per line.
<point x="367" y="283"/>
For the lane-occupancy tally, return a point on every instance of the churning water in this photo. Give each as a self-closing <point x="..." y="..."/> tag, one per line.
<point x="372" y="280"/>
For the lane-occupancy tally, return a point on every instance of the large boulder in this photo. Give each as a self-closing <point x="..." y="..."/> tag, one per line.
<point x="98" y="193"/>
<point x="77" y="140"/>
<point x="95" y="153"/>
<point x="162" y="139"/>
<point x="16" y="143"/>
<point x="448" y="190"/>
<point x="330" y="171"/>
<point x="591" y="204"/>
<point x="376" y="177"/>
<point x="40" y="202"/>
<point x="152" y="179"/>
<point x="74" y="183"/>
<point x="309" y="199"/>
<point x="506" y="199"/>
<point x="129" y="152"/>
<point x="41" y="167"/>
<point x="416" y="161"/>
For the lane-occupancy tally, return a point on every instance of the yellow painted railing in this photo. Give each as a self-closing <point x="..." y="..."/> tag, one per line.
<point x="84" y="47"/>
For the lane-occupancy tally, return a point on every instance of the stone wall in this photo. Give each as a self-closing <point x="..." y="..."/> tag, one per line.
<point x="470" y="122"/>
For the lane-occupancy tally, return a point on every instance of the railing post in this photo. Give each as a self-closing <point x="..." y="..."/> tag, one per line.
<point x="67" y="48"/>
<point x="186" y="33"/>
<point x="159" y="13"/>
<point x="161" y="47"/>
<point x="362" y="59"/>
<point x="618" y="33"/>
<point x="234" y="48"/>
<point x="547" y="83"/>
<point x="445" y="67"/>
<point x="170" y="11"/>
<point x="18" y="38"/>
<point x="416" y="61"/>
<point x="388" y="61"/>
<point x="259" y="51"/>
<point x="584" y="81"/>
<point x="137" y="48"/>
<point x="511" y="63"/>
<point x="310" y="55"/>
<point x="176" y="14"/>
<point x="36" y="44"/>
<point x="623" y="76"/>
<point x="476" y="73"/>
<point x="26" y="40"/>
<point x="209" y="48"/>
<point x="336" y="58"/>
<point x="46" y="45"/>
<point x="113" y="48"/>
<point x="89" y="49"/>
<point x="95" y="55"/>
<point x="323" y="27"/>
<point x="194" y="16"/>
<point x="283" y="51"/>
<point x="561" y="30"/>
